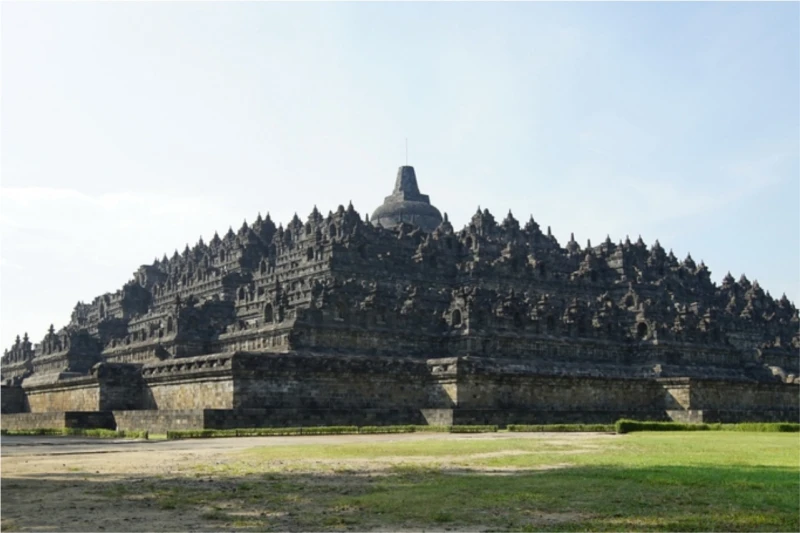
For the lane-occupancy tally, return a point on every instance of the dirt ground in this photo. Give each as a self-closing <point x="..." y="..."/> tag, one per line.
<point x="63" y="484"/>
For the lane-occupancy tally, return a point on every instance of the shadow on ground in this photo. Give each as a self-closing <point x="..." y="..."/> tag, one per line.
<point x="412" y="498"/>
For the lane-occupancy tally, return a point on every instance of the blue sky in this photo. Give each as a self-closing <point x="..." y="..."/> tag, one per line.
<point x="130" y="129"/>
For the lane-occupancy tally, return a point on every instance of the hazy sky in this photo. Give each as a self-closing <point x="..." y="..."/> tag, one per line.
<point x="130" y="129"/>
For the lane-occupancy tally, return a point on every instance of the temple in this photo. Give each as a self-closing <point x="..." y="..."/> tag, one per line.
<point x="400" y="318"/>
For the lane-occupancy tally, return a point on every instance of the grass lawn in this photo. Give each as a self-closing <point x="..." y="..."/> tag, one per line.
<point x="682" y="481"/>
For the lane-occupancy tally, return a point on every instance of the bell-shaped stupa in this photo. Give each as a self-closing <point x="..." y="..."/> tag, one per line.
<point x="406" y="204"/>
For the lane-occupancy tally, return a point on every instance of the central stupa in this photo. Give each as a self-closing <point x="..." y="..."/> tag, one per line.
<point x="407" y="204"/>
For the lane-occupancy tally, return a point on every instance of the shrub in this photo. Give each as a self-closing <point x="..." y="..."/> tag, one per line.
<point x="132" y="434"/>
<point x="329" y="430"/>
<point x="628" y="426"/>
<point x="268" y="432"/>
<point x="473" y="429"/>
<point x="101" y="433"/>
<point x="34" y="432"/>
<point x="561" y="428"/>
<point x="200" y="433"/>
<point x="79" y="432"/>
<point x="432" y="429"/>
<point x="386" y="429"/>
<point x="783" y="427"/>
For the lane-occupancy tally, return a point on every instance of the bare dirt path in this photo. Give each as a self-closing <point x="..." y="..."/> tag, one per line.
<point x="69" y="484"/>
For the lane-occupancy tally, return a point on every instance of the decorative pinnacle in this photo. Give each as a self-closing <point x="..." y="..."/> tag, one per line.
<point x="406" y="183"/>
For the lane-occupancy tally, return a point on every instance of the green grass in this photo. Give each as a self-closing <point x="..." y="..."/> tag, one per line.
<point x="562" y="428"/>
<point x="675" y="481"/>
<point x="324" y="430"/>
<point x="76" y="432"/>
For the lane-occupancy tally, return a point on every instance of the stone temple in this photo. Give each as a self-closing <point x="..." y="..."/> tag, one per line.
<point x="401" y="319"/>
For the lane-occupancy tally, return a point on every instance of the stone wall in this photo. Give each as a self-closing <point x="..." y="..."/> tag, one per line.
<point x="152" y="350"/>
<point x="204" y="382"/>
<point x="198" y="393"/>
<point x="677" y="394"/>
<point x="532" y="347"/>
<point x="271" y="337"/>
<point x="749" y="415"/>
<point x="693" y="400"/>
<point x="57" y="420"/>
<point x="13" y="399"/>
<point x="789" y="363"/>
<point x="686" y="416"/>
<point x="121" y="395"/>
<point x="510" y="385"/>
<point x="502" y="417"/>
<point x="248" y="418"/>
<point x="33" y="420"/>
<point x="16" y="370"/>
<point x="109" y="386"/>
<point x="677" y="353"/>
<point x="162" y="421"/>
<point x="243" y="389"/>
<point x="159" y="421"/>
<point x="317" y="381"/>
<point x="750" y="396"/>
<point x="357" y="339"/>
<point x="557" y="393"/>
<point x="77" y="394"/>
<point x="121" y="386"/>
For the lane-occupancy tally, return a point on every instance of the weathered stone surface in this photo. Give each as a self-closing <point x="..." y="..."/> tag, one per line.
<point x="59" y="420"/>
<point x="13" y="399"/>
<point x="404" y="314"/>
<point x="72" y="395"/>
<point x="407" y="205"/>
<point x="160" y="421"/>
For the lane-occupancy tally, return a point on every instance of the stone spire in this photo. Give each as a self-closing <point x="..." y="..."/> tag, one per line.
<point x="407" y="204"/>
<point x="405" y="186"/>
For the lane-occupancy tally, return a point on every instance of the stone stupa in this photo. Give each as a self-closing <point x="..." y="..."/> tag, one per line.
<point x="407" y="204"/>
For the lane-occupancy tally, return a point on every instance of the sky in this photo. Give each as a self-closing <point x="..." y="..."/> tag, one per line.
<point x="131" y="129"/>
